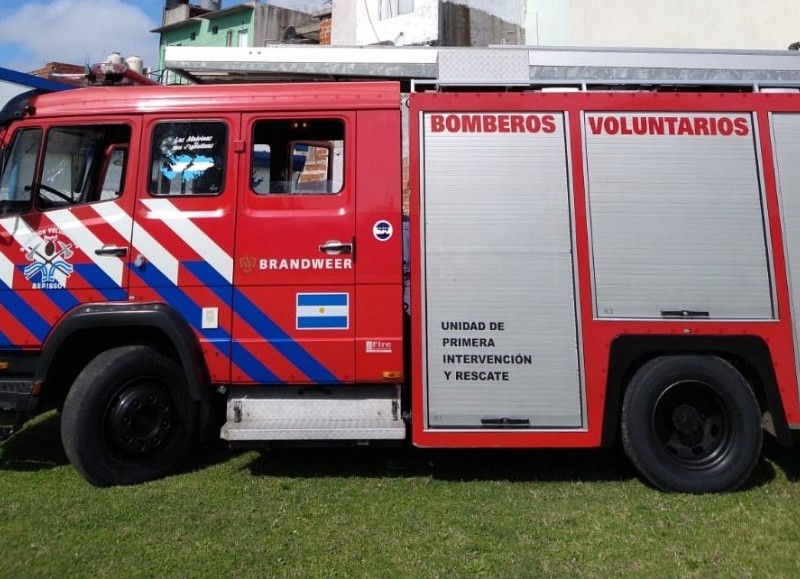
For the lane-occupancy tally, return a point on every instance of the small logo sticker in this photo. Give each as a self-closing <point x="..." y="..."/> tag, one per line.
<point x="49" y="263"/>
<point x="382" y="230"/>
<point x="378" y="347"/>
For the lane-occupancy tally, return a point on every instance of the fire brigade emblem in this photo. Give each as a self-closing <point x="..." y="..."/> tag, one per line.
<point x="49" y="257"/>
<point x="382" y="230"/>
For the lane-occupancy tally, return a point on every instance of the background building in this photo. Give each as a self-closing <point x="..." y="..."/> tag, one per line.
<point x="246" y="24"/>
<point x="737" y="24"/>
<point x="428" y="22"/>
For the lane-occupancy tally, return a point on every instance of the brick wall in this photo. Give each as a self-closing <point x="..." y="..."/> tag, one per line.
<point x="325" y="31"/>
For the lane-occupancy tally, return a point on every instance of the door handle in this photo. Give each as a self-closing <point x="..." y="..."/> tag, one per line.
<point x="336" y="247"/>
<point x="112" y="251"/>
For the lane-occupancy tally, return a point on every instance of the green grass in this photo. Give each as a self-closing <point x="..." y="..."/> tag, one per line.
<point x="389" y="513"/>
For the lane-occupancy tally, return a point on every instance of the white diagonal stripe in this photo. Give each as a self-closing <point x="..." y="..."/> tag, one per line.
<point x="19" y="230"/>
<point x="6" y="271"/>
<point x="143" y="242"/>
<point x="187" y="230"/>
<point x="10" y="224"/>
<point x="83" y="238"/>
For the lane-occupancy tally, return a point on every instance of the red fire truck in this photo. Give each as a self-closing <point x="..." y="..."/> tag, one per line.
<point x="602" y="246"/>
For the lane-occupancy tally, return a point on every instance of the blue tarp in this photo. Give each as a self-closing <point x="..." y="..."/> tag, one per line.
<point x="12" y="76"/>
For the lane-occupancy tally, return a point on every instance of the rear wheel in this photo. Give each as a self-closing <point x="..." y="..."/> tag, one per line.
<point x="691" y="424"/>
<point x="128" y="418"/>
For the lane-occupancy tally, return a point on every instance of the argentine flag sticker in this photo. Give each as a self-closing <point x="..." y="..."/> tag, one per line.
<point x="323" y="311"/>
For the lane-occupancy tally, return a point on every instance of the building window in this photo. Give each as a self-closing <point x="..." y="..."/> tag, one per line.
<point x="193" y="36"/>
<point x="188" y="158"/>
<point x="392" y="8"/>
<point x="229" y="38"/>
<point x="215" y="29"/>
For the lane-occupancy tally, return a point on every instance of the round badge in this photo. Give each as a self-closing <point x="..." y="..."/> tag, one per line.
<point x="382" y="230"/>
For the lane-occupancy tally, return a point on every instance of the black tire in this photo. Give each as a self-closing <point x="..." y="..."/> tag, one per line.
<point x="691" y="424"/>
<point x="128" y="417"/>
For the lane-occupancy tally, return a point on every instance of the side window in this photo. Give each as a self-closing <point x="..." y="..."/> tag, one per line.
<point x="114" y="173"/>
<point x="19" y="171"/>
<point x="188" y="158"/>
<point x="298" y="157"/>
<point x="77" y="161"/>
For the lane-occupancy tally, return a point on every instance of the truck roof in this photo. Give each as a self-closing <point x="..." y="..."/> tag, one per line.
<point x="200" y="98"/>
<point x="524" y="66"/>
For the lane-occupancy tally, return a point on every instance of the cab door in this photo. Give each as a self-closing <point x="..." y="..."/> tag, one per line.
<point x="184" y="222"/>
<point x="295" y="250"/>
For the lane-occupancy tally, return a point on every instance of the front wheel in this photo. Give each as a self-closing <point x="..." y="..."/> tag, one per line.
<point x="128" y="418"/>
<point x="691" y="424"/>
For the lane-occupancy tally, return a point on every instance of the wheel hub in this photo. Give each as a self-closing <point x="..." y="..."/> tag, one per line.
<point x="140" y="419"/>
<point x="686" y="419"/>
<point x="692" y="424"/>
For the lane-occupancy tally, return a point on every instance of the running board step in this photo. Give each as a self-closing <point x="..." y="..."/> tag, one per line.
<point x="318" y="413"/>
<point x="315" y="430"/>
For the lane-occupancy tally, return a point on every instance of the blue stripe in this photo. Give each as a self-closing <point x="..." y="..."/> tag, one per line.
<point x="321" y="322"/>
<point x="101" y="281"/>
<point x="250" y="364"/>
<point x="5" y="343"/>
<point x="262" y="324"/>
<point x="178" y="299"/>
<point x="280" y="340"/>
<point x="186" y="306"/>
<point x="210" y="278"/>
<point x="24" y="314"/>
<point x="240" y="356"/>
<point x="96" y="279"/>
<point x="322" y="299"/>
<point x="63" y="299"/>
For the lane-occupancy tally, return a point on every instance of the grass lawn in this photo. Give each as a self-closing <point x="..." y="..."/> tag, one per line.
<point x="389" y="513"/>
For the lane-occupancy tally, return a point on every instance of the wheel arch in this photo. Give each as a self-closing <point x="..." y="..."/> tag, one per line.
<point x="748" y="354"/>
<point x="90" y="329"/>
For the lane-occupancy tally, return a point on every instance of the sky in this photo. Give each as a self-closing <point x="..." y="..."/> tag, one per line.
<point x="35" y="32"/>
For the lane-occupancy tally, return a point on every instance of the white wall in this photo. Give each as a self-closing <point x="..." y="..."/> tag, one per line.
<point x="512" y="11"/>
<point x="741" y="24"/>
<point x="343" y="19"/>
<point x="359" y="22"/>
<point x="8" y="90"/>
<point x="418" y="27"/>
<point x="548" y="22"/>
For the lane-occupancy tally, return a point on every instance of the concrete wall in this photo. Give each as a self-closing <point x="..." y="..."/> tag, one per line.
<point x="740" y="24"/>
<point x="418" y="27"/>
<point x="343" y="22"/>
<point x="475" y="24"/>
<point x="272" y="21"/>
<point x="446" y="22"/>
